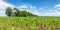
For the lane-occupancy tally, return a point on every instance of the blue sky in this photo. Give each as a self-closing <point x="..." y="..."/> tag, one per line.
<point x="39" y="7"/>
<point x="37" y="3"/>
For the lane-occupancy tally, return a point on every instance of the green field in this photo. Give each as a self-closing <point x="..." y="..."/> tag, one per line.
<point x="30" y="23"/>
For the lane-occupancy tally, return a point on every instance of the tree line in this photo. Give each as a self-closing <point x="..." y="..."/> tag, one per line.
<point x="16" y="12"/>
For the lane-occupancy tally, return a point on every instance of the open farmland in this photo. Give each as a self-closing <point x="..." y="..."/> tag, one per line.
<point x="30" y="23"/>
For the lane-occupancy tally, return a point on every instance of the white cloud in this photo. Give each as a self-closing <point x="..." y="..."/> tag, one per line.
<point x="29" y="8"/>
<point x="55" y="11"/>
<point x="34" y="11"/>
<point x="32" y="7"/>
<point x="50" y="14"/>
<point x="58" y="5"/>
<point x="23" y="6"/>
<point x="26" y="6"/>
<point x="3" y="5"/>
<point x="41" y="8"/>
<point x="35" y="7"/>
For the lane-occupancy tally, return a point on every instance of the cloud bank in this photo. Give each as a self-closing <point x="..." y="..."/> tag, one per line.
<point x="3" y="6"/>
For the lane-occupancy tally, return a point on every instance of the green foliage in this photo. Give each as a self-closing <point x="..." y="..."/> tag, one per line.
<point x="16" y="12"/>
<point x="8" y="11"/>
<point x="30" y="23"/>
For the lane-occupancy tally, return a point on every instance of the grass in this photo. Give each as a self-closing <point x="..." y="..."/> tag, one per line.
<point x="30" y="23"/>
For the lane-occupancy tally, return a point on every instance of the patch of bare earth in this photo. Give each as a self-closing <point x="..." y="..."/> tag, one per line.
<point x="41" y="26"/>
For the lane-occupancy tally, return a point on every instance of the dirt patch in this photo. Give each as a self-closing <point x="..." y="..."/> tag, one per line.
<point x="41" y="26"/>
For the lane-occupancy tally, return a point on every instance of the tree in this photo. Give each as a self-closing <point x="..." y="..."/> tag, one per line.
<point x="16" y="12"/>
<point x="8" y="11"/>
<point x="24" y="13"/>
